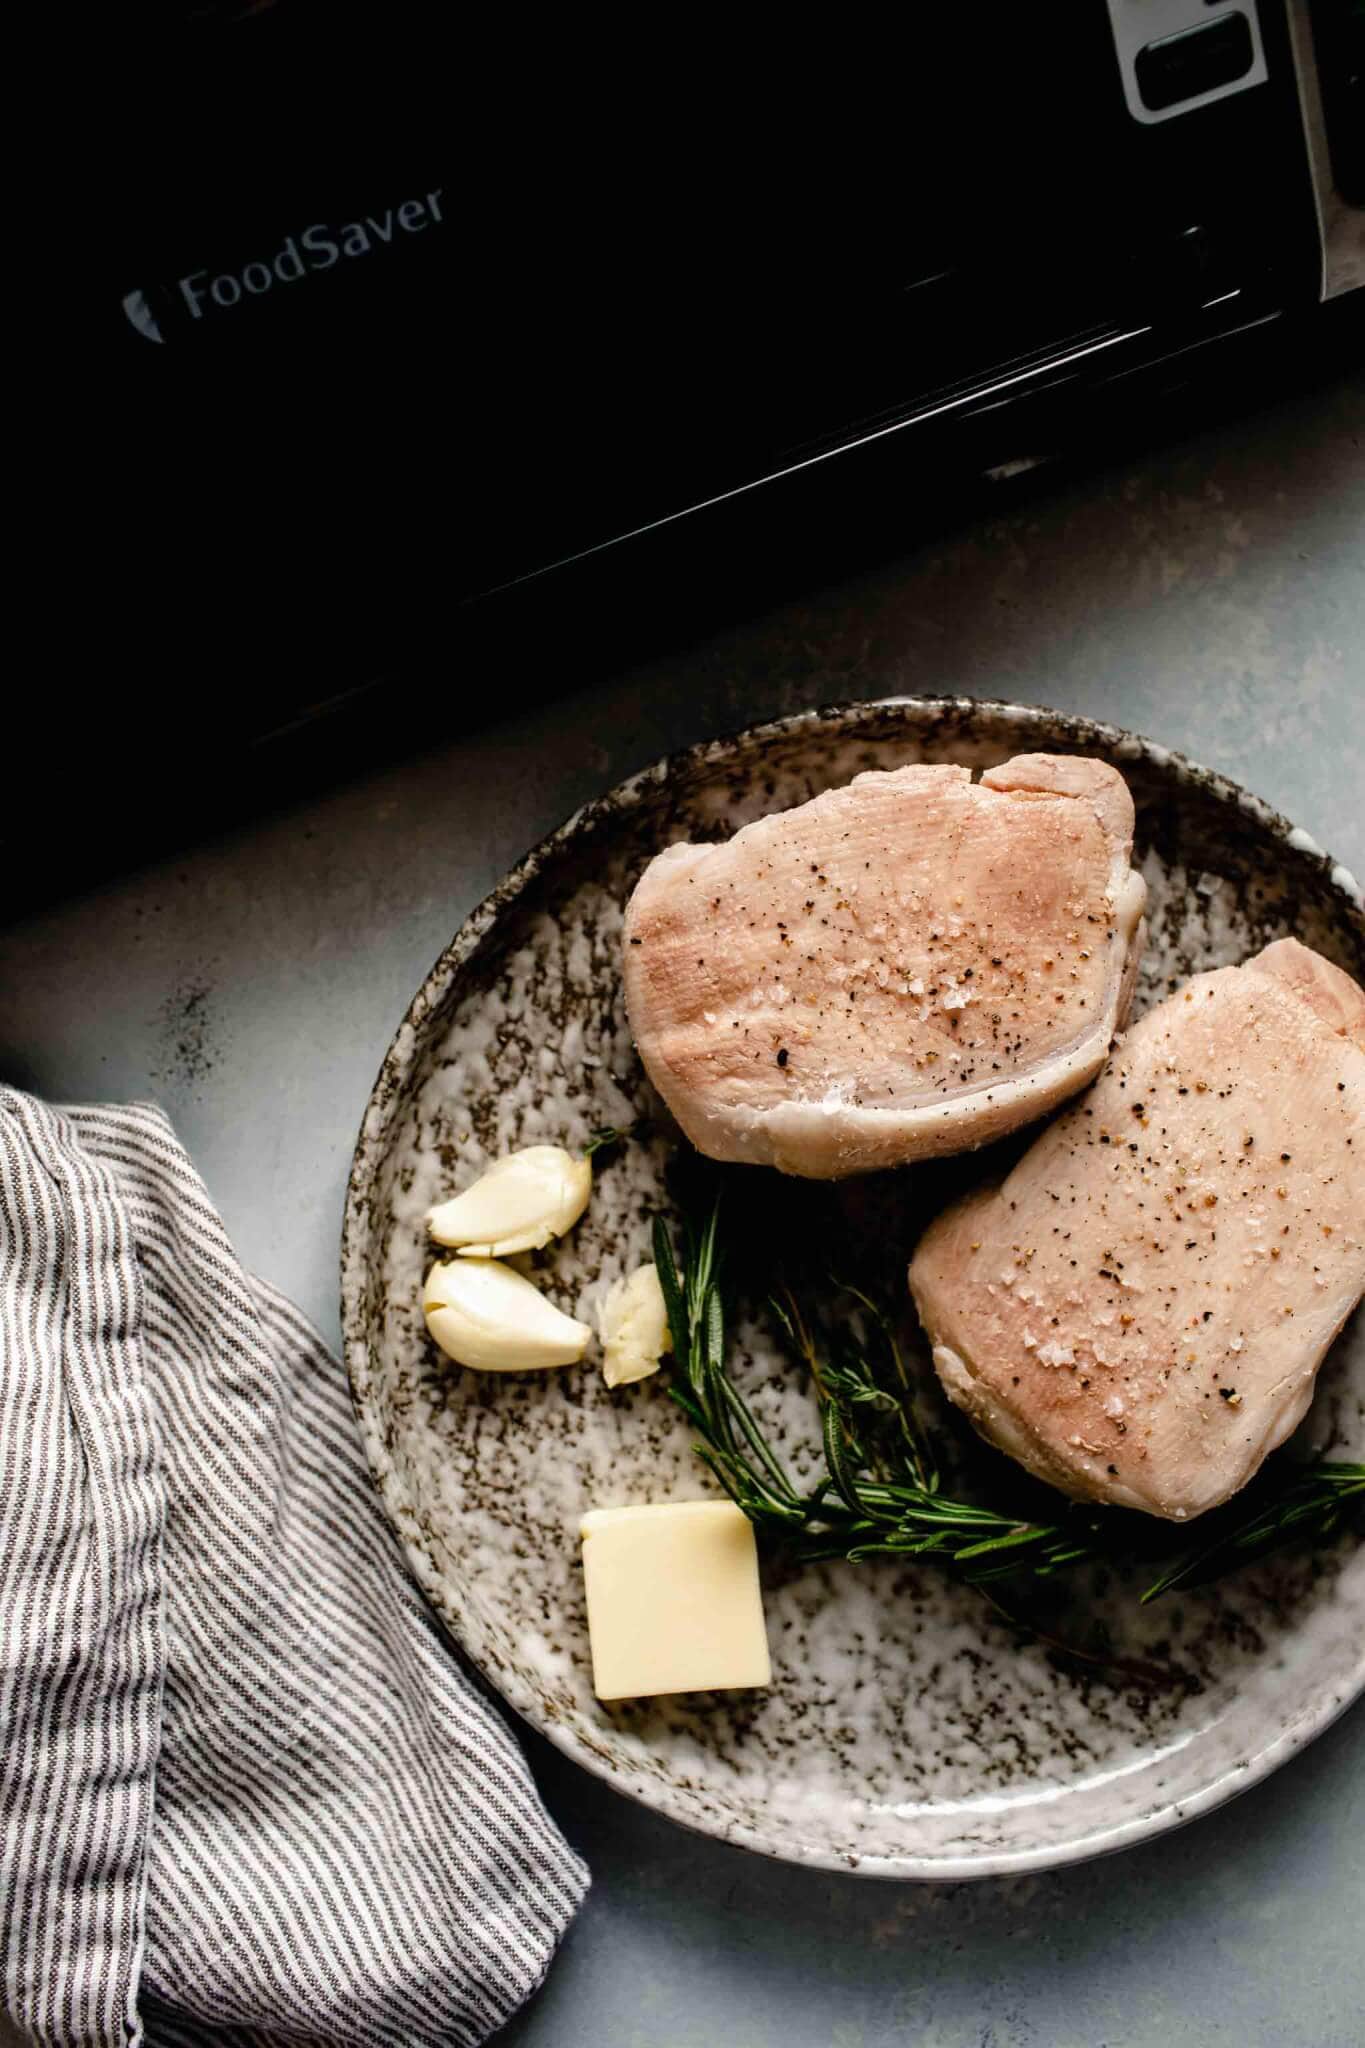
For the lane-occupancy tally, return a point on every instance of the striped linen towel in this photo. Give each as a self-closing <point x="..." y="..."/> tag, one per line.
<point x="246" y="1793"/>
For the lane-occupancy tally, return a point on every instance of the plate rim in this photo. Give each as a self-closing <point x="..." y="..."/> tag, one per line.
<point x="387" y="1092"/>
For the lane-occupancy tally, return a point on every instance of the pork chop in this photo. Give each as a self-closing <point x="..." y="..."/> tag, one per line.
<point x="1138" y="1312"/>
<point x="906" y="966"/>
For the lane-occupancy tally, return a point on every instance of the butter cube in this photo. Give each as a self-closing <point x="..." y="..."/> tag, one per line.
<point x="673" y="1599"/>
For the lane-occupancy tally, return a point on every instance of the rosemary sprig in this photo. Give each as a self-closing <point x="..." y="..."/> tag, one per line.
<point x="1309" y="1507"/>
<point x="880" y="1492"/>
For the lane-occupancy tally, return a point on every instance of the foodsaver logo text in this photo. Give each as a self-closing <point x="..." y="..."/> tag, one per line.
<point x="320" y="246"/>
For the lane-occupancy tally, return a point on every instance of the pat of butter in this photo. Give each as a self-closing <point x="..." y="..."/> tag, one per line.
<point x="673" y="1600"/>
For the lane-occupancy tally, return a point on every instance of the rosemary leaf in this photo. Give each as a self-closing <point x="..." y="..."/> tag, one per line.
<point x="669" y="1288"/>
<point x="602" y="1139"/>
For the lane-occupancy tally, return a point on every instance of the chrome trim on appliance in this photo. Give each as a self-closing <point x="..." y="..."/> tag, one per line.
<point x="1137" y="24"/>
<point x="1341" y="228"/>
<point x="927" y="410"/>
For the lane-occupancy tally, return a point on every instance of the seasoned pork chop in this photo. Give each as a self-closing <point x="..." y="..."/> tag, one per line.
<point x="909" y="965"/>
<point x="1138" y="1312"/>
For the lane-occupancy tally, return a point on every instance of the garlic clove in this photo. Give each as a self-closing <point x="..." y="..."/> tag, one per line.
<point x="484" y="1315"/>
<point x="633" y="1322"/>
<point x="518" y="1205"/>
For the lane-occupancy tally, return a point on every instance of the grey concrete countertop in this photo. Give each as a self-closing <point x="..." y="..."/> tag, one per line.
<point x="1212" y="596"/>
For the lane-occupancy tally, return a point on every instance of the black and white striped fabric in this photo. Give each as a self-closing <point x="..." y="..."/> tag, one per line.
<point x="247" y="1795"/>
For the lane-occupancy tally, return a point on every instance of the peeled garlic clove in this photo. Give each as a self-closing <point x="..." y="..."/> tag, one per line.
<point x="634" y="1326"/>
<point x="484" y="1315"/>
<point x="521" y="1202"/>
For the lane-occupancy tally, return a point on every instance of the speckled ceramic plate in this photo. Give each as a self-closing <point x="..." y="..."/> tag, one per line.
<point x="911" y="1731"/>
